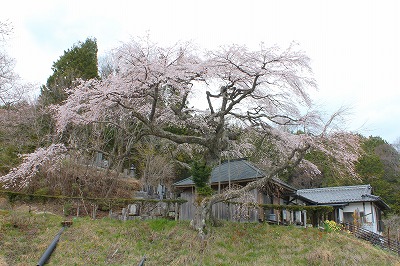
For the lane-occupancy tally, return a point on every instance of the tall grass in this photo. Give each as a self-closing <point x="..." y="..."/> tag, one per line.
<point x="24" y="237"/>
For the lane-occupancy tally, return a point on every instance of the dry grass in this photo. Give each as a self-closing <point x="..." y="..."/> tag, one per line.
<point x="320" y="256"/>
<point x="24" y="237"/>
<point x="74" y="179"/>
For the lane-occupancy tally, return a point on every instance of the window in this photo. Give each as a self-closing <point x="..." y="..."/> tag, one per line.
<point x="348" y="217"/>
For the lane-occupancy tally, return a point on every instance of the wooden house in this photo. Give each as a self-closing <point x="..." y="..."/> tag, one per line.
<point x="351" y="204"/>
<point x="237" y="173"/>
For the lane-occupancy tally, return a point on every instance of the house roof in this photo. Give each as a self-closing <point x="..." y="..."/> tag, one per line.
<point x="187" y="182"/>
<point x="341" y="195"/>
<point x="235" y="171"/>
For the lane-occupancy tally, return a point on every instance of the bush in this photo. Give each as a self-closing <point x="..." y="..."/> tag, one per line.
<point x="77" y="180"/>
<point x="205" y="191"/>
<point x="201" y="174"/>
<point x="332" y="226"/>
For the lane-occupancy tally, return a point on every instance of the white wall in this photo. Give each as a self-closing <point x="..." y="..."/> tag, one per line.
<point x="368" y="210"/>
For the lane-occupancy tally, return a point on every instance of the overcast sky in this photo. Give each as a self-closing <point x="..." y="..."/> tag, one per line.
<point x="354" y="45"/>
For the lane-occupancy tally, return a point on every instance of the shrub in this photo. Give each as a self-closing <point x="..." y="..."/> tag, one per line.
<point x="201" y="174"/>
<point x="332" y="226"/>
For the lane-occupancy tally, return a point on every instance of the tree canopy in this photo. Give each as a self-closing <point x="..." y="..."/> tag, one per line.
<point x="252" y="98"/>
<point x="12" y="90"/>
<point x="17" y="130"/>
<point x="253" y="101"/>
<point x="380" y="166"/>
<point x="152" y="85"/>
<point x="78" y="62"/>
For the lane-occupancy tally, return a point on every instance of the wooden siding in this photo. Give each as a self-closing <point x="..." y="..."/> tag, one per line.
<point x="187" y="209"/>
<point x="232" y="211"/>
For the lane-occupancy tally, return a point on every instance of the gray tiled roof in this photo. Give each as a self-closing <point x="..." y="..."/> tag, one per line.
<point x="344" y="194"/>
<point x="235" y="170"/>
<point x="336" y="194"/>
<point x="184" y="182"/>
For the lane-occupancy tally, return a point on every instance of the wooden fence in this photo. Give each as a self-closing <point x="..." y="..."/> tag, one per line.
<point x="374" y="238"/>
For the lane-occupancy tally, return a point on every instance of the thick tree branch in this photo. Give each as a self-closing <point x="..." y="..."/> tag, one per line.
<point x="293" y="160"/>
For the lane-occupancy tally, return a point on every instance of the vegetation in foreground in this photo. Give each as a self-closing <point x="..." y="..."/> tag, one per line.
<point x="25" y="236"/>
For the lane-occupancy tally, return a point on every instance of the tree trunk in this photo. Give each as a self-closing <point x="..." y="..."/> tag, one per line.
<point x="202" y="215"/>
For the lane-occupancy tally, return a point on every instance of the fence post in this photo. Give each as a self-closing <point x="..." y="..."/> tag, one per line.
<point x="176" y="211"/>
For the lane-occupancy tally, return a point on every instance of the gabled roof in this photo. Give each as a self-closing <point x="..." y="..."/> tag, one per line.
<point x="235" y="171"/>
<point x="341" y="195"/>
<point x="187" y="182"/>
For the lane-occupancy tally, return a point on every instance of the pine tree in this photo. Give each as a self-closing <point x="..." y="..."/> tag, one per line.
<point x="79" y="62"/>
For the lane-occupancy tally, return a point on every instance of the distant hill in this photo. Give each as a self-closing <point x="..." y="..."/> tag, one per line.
<point x="378" y="165"/>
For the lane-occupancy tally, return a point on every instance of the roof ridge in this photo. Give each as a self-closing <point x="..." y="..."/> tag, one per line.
<point x="258" y="170"/>
<point x="233" y="160"/>
<point x="336" y="188"/>
<point x="180" y="181"/>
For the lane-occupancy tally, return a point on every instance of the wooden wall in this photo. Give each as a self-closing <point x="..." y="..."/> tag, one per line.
<point x="226" y="211"/>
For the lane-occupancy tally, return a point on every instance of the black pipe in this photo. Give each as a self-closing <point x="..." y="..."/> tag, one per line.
<point x="46" y="255"/>
<point x="141" y="263"/>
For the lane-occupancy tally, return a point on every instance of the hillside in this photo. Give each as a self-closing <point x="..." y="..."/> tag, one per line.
<point x="24" y="237"/>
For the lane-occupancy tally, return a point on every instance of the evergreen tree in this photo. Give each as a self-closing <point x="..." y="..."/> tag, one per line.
<point x="79" y="62"/>
<point x="380" y="167"/>
<point x="201" y="175"/>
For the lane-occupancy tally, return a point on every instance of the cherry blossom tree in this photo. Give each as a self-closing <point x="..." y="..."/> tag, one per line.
<point x="152" y="85"/>
<point x="12" y="89"/>
<point x="17" y="114"/>
<point x="20" y="177"/>
<point x="156" y="166"/>
<point x="266" y="91"/>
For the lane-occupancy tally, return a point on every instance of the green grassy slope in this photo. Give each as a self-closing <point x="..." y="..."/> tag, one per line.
<point x="24" y="237"/>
